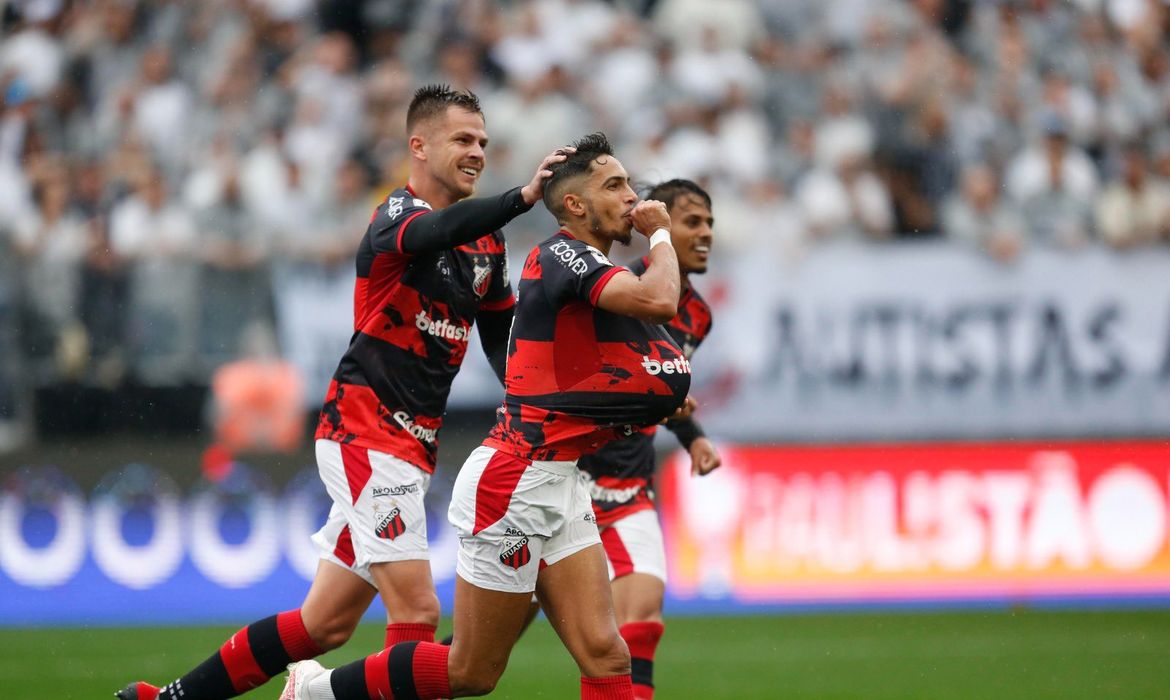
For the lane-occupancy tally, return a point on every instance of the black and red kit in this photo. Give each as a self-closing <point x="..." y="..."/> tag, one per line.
<point x="578" y="376"/>
<point x="423" y="278"/>
<point x="622" y="472"/>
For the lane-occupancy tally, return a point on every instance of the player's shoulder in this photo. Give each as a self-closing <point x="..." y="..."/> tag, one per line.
<point x="401" y="203"/>
<point x="573" y="254"/>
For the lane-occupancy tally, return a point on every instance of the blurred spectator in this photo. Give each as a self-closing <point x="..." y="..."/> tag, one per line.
<point x="51" y="243"/>
<point x="1134" y="209"/>
<point x="156" y="236"/>
<point x="866" y="111"/>
<point x="1055" y="183"/>
<point x="976" y="216"/>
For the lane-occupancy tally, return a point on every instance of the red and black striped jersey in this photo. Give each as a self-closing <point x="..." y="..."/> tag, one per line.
<point x="579" y="376"/>
<point x="622" y="472"/>
<point x="413" y="314"/>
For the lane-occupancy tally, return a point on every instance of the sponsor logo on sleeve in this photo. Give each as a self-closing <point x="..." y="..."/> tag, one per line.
<point x="565" y="255"/>
<point x="393" y="207"/>
<point x="599" y="257"/>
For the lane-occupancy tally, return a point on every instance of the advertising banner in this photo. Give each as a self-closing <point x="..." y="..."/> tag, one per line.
<point x="892" y="343"/>
<point x="137" y="551"/>
<point x="1008" y="523"/>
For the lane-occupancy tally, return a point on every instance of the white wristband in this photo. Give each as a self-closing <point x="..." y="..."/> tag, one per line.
<point x="660" y="236"/>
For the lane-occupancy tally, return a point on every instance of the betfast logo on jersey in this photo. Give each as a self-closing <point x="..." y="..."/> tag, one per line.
<point x="654" y="367"/>
<point x="440" y="329"/>
<point x="419" y="432"/>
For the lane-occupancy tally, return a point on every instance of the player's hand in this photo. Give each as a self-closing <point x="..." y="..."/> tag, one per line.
<point x="533" y="191"/>
<point x="684" y="411"/>
<point x="704" y="457"/>
<point x="649" y="215"/>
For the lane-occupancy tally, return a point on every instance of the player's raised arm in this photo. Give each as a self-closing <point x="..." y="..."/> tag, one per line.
<point x="652" y="296"/>
<point x="469" y="219"/>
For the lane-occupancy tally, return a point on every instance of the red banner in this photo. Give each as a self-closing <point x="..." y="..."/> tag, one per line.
<point x="874" y="523"/>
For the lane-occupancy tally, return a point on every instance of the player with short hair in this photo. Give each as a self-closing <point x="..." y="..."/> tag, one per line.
<point x="621" y="474"/>
<point x="431" y="264"/>
<point x="587" y="363"/>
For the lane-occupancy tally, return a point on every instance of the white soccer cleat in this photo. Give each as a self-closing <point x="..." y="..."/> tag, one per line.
<point x="300" y="674"/>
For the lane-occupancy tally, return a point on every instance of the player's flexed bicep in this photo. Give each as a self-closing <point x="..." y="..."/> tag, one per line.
<point x="652" y="296"/>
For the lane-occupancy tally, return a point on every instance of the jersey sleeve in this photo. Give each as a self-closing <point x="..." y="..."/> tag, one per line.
<point x="572" y="269"/>
<point x="391" y="219"/>
<point x="499" y="295"/>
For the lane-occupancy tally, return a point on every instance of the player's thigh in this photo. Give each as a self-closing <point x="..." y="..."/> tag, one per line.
<point x="407" y="589"/>
<point x="487" y="624"/>
<point x="575" y="595"/>
<point x="636" y="554"/>
<point x="638" y="598"/>
<point x="335" y="604"/>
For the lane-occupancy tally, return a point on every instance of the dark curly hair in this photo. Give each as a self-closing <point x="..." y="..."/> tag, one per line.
<point x="580" y="163"/>
<point x="668" y="192"/>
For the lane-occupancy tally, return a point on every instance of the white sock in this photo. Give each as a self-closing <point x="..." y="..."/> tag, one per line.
<point x="320" y="687"/>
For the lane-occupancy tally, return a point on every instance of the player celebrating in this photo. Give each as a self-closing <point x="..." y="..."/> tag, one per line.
<point x="430" y="265"/>
<point x="621" y="473"/>
<point x="586" y="364"/>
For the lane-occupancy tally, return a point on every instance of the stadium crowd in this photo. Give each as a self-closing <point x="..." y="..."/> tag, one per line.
<point x="165" y="164"/>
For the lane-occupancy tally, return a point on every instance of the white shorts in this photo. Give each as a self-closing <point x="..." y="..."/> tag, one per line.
<point x="515" y="516"/>
<point x="634" y="545"/>
<point x="377" y="513"/>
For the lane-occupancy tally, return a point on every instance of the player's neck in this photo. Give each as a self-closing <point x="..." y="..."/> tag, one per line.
<point x="587" y="236"/>
<point x="431" y="191"/>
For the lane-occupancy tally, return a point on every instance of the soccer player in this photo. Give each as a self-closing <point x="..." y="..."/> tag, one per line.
<point x="587" y="363"/>
<point x="622" y="473"/>
<point x="431" y="264"/>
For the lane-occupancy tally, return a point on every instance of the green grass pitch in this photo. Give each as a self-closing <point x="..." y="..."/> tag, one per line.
<point x="903" y="656"/>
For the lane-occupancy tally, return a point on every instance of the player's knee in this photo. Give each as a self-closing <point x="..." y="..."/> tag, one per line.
<point x="332" y="633"/>
<point x="606" y="655"/>
<point x="421" y="608"/>
<point x="472" y="680"/>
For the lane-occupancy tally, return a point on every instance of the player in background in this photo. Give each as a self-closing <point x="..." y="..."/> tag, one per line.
<point x="431" y="264"/>
<point x="587" y="363"/>
<point x="621" y="474"/>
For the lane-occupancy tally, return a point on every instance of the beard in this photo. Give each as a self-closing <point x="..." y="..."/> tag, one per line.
<point x="621" y="236"/>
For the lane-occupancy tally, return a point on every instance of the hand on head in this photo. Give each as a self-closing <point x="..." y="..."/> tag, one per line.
<point x="534" y="190"/>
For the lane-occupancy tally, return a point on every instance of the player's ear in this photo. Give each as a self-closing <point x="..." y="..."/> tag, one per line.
<point x="574" y="204"/>
<point x="417" y="145"/>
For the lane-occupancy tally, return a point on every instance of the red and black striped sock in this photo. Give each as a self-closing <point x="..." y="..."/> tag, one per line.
<point x="252" y="656"/>
<point x="398" y="632"/>
<point x="406" y="671"/>
<point x="608" y="688"/>
<point x="642" y="638"/>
